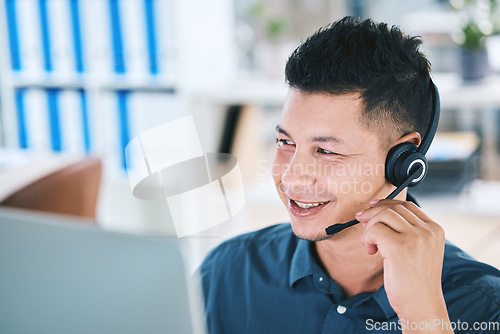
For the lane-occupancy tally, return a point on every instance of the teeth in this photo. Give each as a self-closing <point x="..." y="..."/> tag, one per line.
<point x="308" y="205"/>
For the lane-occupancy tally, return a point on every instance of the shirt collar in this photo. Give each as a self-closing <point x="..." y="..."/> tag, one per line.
<point x="381" y="298"/>
<point x="303" y="264"/>
<point x="302" y="261"/>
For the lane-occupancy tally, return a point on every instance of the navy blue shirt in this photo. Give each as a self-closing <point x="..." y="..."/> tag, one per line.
<point x="269" y="281"/>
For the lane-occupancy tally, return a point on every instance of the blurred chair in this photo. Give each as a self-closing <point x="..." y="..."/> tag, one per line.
<point x="71" y="190"/>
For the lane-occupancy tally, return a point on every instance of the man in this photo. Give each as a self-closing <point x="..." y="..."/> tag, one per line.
<point x="357" y="89"/>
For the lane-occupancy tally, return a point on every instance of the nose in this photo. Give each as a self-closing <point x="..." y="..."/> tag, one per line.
<point x="299" y="174"/>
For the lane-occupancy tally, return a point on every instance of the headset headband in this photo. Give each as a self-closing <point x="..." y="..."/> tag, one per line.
<point x="433" y="124"/>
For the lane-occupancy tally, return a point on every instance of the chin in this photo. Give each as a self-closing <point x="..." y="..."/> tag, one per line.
<point x="307" y="230"/>
<point x="315" y="231"/>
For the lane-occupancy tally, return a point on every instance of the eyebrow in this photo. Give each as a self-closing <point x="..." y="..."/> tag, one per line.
<point x="319" y="139"/>
<point x="328" y="139"/>
<point x="281" y="130"/>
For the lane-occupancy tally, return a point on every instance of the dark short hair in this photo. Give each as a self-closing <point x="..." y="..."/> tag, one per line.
<point x="380" y="63"/>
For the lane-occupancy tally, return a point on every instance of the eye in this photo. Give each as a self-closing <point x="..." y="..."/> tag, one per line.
<point x="284" y="141"/>
<point x="323" y="151"/>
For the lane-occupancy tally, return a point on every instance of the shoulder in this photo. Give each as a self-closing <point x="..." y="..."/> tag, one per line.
<point x="458" y="266"/>
<point x="272" y="243"/>
<point x="469" y="284"/>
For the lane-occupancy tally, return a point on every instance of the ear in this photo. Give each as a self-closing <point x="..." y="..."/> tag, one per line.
<point x="412" y="137"/>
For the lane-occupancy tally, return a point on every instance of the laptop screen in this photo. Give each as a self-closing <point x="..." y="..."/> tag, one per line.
<point x="61" y="276"/>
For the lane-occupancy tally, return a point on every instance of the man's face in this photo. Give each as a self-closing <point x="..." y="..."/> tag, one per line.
<point x="327" y="165"/>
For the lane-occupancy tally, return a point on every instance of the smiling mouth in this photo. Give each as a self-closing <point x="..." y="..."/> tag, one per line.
<point x="302" y="209"/>
<point x="308" y="205"/>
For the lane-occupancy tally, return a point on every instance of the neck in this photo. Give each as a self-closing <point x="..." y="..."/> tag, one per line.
<point x="347" y="263"/>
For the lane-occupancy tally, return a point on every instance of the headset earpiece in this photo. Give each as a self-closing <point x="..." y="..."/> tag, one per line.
<point x="402" y="160"/>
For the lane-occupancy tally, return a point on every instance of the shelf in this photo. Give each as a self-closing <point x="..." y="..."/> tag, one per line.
<point x="151" y="87"/>
<point x="88" y="82"/>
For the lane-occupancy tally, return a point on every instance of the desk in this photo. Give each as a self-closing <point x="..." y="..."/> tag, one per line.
<point x="477" y="106"/>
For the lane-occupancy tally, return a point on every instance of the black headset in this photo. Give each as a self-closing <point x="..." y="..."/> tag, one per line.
<point x="403" y="159"/>
<point x="406" y="164"/>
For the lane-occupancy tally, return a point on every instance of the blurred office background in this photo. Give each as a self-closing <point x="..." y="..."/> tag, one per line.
<point x="80" y="78"/>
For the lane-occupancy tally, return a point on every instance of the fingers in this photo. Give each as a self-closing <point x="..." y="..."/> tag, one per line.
<point x="378" y="235"/>
<point x="421" y="218"/>
<point x="389" y="222"/>
<point x="410" y="212"/>
<point x="383" y="229"/>
<point x="408" y="205"/>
